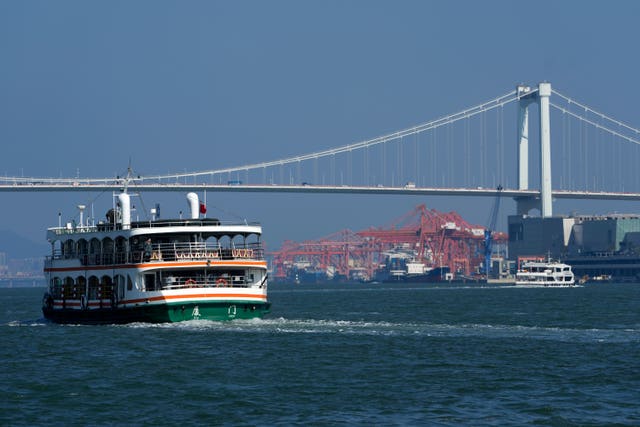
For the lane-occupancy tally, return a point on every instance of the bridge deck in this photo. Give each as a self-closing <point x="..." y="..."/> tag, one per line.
<point x="318" y="189"/>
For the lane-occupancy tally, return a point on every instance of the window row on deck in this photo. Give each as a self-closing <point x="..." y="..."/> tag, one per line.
<point x="136" y="250"/>
<point x="93" y="287"/>
<point x="103" y="287"/>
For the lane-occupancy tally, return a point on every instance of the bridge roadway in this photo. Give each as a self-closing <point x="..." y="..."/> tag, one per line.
<point x="317" y="189"/>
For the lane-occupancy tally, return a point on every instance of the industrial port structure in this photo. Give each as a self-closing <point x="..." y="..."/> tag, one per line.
<point x="425" y="236"/>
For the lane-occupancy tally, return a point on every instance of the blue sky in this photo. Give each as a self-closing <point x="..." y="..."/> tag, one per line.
<point x="85" y="86"/>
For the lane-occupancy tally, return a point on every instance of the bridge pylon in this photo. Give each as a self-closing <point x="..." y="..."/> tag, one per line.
<point x="527" y="96"/>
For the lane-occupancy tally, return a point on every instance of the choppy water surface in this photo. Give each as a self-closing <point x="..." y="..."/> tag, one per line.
<point x="349" y="355"/>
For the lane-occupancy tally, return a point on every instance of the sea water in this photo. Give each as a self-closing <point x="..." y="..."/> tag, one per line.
<point x="409" y="354"/>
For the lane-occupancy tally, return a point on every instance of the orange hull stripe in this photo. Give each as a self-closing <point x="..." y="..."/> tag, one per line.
<point x="168" y="298"/>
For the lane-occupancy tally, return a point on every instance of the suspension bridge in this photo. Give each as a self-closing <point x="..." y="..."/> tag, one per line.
<point x="589" y="154"/>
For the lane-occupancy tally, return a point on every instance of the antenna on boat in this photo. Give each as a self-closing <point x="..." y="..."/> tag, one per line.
<point x="127" y="179"/>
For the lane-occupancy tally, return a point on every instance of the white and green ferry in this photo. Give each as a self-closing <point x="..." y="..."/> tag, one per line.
<point x="160" y="270"/>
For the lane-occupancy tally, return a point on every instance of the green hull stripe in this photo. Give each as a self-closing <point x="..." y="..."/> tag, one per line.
<point x="161" y="313"/>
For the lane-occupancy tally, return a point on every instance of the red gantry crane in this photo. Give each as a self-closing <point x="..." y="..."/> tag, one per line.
<point x="437" y="239"/>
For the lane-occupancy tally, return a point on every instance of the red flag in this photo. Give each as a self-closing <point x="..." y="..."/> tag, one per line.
<point x="203" y="208"/>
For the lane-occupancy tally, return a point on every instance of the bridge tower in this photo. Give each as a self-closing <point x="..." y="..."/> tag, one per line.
<point x="527" y="96"/>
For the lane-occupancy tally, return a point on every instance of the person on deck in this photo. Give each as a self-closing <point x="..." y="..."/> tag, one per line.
<point x="147" y="250"/>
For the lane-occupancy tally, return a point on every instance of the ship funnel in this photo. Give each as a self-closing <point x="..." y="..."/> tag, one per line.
<point x="194" y="205"/>
<point x="81" y="209"/>
<point x="125" y="205"/>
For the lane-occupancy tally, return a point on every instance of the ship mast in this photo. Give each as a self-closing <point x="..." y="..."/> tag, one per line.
<point x="127" y="179"/>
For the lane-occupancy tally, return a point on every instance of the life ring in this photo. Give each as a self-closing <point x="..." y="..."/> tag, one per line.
<point x="221" y="281"/>
<point x="190" y="282"/>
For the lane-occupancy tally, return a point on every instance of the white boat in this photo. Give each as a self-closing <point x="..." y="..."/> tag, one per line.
<point x="545" y="274"/>
<point x="159" y="270"/>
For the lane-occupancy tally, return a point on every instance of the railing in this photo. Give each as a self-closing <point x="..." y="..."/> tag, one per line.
<point x="168" y="252"/>
<point x="76" y="290"/>
<point x="105" y="291"/>
<point x="215" y="280"/>
<point x="202" y="251"/>
<point x="220" y="282"/>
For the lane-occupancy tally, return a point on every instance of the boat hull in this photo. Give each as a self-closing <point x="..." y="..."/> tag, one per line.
<point x="158" y="270"/>
<point x="160" y="313"/>
<point x="547" y="285"/>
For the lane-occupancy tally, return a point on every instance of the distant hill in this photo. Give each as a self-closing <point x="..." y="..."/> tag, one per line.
<point x="16" y="246"/>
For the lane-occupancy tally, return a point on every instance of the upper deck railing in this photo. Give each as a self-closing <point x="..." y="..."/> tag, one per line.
<point x="166" y="252"/>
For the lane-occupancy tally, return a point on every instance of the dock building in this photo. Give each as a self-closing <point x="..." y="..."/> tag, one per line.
<point x="595" y="246"/>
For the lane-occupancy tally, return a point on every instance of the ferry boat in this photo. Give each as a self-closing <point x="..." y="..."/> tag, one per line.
<point x="159" y="270"/>
<point x="545" y="273"/>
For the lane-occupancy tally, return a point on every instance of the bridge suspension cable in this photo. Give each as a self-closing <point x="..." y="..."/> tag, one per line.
<point x="445" y="120"/>
<point x="393" y="160"/>
<point x="484" y="107"/>
<point x="588" y="110"/>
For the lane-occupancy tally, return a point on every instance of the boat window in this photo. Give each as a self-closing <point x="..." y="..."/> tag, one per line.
<point x="67" y="288"/>
<point x="93" y="287"/>
<point x="68" y="249"/>
<point x="129" y="283"/>
<point x="82" y="247"/>
<point x="120" y="250"/>
<point x="107" y="244"/>
<point x="150" y="282"/>
<point x="121" y="244"/>
<point x="254" y="276"/>
<point x="56" y="248"/>
<point x="105" y="281"/>
<point x="224" y="241"/>
<point x="56" y="287"/>
<point x="107" y="250"/>
<point x="94" y="246"/>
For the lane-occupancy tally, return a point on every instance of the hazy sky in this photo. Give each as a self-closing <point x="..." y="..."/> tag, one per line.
<point x="194" y="85"/>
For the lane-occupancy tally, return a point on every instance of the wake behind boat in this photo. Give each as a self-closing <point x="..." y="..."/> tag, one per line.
<point x="545" y="274"/>
<point x="171" y="270"/>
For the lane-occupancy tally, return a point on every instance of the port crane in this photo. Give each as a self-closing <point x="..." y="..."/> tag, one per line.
<point x="435" y="238"/>
<point x="488" y="232"/>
